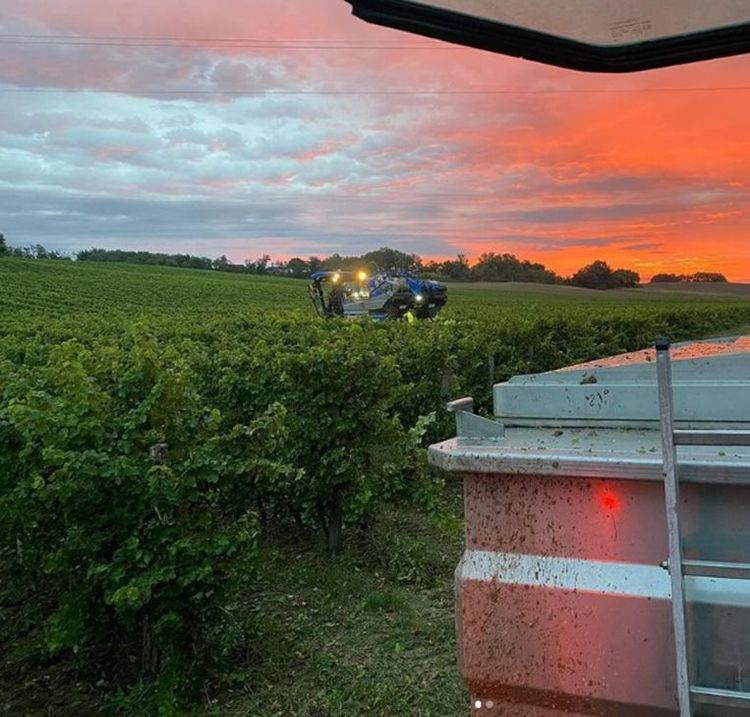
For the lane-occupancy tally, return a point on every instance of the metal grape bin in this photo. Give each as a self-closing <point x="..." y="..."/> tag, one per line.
<point x="563" y="604"/>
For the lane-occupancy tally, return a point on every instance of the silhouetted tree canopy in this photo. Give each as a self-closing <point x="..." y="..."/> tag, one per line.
<point x="698" y="277"/>
<point x="665" y="278"/>
<point x="599" y="275"/>
<point x="507" y="267"/>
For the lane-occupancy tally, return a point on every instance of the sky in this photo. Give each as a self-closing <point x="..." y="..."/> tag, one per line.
<point x="313" y="132"/>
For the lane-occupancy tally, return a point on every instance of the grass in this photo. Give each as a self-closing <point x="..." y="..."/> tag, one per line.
<point x="369" y="633"/>
<point x="355" y="647"/>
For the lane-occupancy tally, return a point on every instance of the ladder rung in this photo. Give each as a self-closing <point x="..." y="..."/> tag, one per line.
<point x="725" y="698"/>
<point x="712" y="438"/>
<point x="710" y="569"/>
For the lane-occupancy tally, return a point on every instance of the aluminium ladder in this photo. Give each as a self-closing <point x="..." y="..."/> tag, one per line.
<point x="689" y="694"/>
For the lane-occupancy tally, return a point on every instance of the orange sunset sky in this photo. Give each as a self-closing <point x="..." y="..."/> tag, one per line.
<point x="244" y="127"/>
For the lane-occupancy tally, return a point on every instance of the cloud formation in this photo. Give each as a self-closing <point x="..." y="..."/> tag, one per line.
<point x="170" y="148"/>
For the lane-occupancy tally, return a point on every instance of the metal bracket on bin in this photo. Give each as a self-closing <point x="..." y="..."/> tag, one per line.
<point x="472" y="429"/>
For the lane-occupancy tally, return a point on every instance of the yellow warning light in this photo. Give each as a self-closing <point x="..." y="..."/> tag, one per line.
<point x="362" y="275"/>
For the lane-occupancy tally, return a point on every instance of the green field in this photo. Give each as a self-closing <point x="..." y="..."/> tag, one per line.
<point x="62" y="290"/>
<point x="198" y="583"/>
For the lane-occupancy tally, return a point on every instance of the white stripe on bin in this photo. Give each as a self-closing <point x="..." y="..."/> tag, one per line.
<point x="631" y="579"/>
<point x="597" y="576"/>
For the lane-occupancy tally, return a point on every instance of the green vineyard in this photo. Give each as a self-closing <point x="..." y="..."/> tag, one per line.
<point x="181" y="451"/>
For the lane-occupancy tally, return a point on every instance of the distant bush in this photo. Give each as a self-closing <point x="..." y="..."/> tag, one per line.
<point x="506" y="267"/>
<point x="598" y="275"/>
<point x="666" y="278"/>
<point x="699" y="277"/>
<point x="33" y="251"/>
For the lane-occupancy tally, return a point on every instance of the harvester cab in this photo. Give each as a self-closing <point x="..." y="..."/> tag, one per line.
<point x="385" y="295"/>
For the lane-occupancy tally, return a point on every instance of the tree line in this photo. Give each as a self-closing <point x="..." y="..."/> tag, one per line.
<point x="700" y="277"/>
<point x="490" y="266"/>
<point x="33" y="251"/>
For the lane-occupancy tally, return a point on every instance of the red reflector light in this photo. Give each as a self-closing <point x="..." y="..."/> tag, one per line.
<point x="609" y="501"/>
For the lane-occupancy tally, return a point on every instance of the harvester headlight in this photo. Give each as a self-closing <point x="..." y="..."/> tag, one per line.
<point x="362" y="276"/>
<point x="419" y="298"/>
<point x="335" y="278"/>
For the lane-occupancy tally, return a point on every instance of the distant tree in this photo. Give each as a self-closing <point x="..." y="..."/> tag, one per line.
<point x="221" y="264"/>
<point x="625" y="279"/>
<point x="507" y="267"/>
<point x="33" y="251"/>
<point x="699" y="277"/>
<point x="458" y="270"/>
<point x="599" y="275"/>
<point x="385" y="258"/>
<point x="259" y="266"/>
<point x="4" y="249"/>
<point x="335" y="261"/>
<point x="297" y="268"/>
<point x="145" y="257"/>
<point x="433" y="267"/>
<point x="708" y="277"/>
<point x="666" y="278"/>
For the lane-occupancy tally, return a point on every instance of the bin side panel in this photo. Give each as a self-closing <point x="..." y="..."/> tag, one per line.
<point x="568" y="517"/>
<point x="566" y="650"/>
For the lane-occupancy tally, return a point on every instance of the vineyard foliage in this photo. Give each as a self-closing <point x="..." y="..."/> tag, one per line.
<point x="155" y="424"/>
